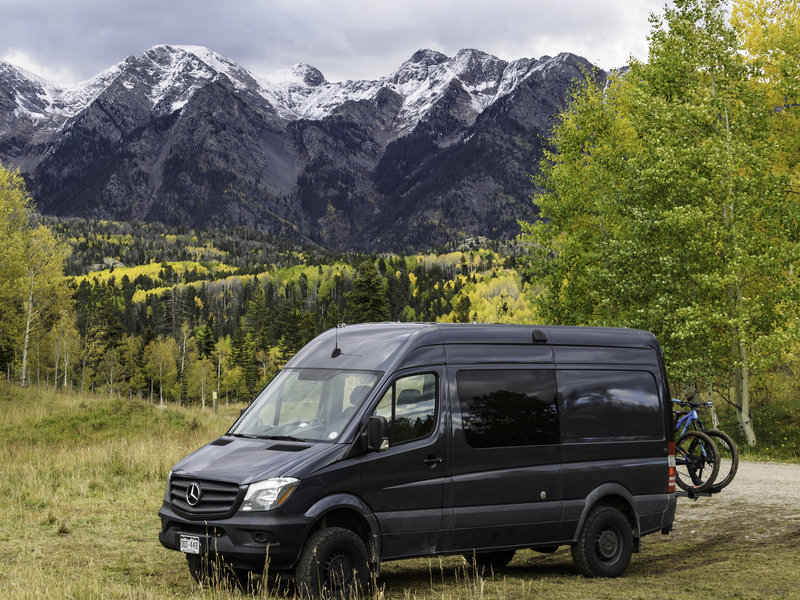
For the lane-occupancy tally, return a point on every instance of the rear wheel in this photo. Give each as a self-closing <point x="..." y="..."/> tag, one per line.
<point x="696" y="461"/>
<point x="605" y="544"/>
<point x="333" y="564"/>
<point x="728" y="458"/>
<point x="492" y="560"/>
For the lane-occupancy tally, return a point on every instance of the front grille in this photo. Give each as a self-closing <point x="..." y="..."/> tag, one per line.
<point x="217" y="498"/>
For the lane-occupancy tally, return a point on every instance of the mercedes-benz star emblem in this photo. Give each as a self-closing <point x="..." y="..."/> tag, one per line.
<point x="193" y="494"/>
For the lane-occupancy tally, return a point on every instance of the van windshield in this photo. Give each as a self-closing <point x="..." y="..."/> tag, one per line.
<point x="306" y="405"/>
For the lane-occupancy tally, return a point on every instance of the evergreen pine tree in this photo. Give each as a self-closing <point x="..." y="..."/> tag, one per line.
<point x="367" y="302"/>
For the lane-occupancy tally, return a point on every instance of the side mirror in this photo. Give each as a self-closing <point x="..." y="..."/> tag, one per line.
<point x="375" y="434"/>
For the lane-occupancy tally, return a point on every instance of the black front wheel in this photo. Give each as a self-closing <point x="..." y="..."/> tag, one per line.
<point x="333" y="564"/>
<point x="605" y="544"/>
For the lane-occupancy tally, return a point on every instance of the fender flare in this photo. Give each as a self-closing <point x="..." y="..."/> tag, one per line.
<point x="603" y="491"/>
<point x="335" y="501"/>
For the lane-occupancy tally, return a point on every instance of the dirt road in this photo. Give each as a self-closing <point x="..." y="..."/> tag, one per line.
<point x="763" y="500"/>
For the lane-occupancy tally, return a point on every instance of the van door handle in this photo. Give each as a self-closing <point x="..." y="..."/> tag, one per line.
<point x="432" y="461"/>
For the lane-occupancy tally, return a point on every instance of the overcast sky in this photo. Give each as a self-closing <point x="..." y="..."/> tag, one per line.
<point x="71" y="40"/>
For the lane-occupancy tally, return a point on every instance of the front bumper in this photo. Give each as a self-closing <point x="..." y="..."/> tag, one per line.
<point x="245" y="540"/>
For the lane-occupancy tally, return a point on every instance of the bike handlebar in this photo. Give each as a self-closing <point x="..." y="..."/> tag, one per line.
<point x="692" y="404"/>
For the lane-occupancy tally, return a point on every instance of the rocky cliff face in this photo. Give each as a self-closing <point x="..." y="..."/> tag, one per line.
<point x="437" y="151"/>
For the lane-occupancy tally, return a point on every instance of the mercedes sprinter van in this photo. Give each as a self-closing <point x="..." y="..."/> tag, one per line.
<point x="387" y="441"/>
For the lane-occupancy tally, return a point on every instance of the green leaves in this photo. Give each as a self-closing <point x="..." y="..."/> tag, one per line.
<point x="662" y="208"/>
<point x="32" y="286"/>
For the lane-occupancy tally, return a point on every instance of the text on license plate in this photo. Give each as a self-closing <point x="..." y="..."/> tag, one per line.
<point x="190" y="544"/>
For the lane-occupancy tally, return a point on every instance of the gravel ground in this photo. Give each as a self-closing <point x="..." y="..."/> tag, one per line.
<point x="763" y="499"/>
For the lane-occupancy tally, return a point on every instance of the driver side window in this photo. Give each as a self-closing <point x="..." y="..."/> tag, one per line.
<point x="410" y="408"/>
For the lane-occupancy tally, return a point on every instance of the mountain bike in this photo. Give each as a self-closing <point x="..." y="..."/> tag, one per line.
<point x="728" y="453"/>
<point x="696" y="458"/>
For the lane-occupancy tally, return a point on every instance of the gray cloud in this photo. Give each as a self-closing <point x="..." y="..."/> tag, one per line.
<point x="345" y="39"/>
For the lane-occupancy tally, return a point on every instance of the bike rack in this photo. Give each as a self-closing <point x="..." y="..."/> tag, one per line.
<point x="691" y="494"/>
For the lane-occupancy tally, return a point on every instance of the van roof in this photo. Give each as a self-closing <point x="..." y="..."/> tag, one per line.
<point x="382" y="346"/>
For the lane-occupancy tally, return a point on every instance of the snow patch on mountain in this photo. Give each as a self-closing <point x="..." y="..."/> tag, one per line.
<point x="169" y="76"/>
<point x="214" y="61"/>
<point x="421" y="80"/>
<point x="71" y="100"/>
<point x="39" y="98"/>
<point x="31" y="94"/>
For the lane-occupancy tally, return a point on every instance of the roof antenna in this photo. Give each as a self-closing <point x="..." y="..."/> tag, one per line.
<point x="336" y="350"/>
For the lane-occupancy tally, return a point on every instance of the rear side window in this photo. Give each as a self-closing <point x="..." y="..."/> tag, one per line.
<point x="508" y="407"/>
<point x="602" y="404"/>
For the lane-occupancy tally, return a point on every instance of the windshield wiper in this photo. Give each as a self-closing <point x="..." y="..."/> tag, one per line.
<point x="288" y="438"/>
<point x="253" y="436"/>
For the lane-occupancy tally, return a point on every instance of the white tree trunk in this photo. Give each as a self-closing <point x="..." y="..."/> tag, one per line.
<point x="56" y="362"/>
<point x="742" y="398"/>
<point x="219" y="371"/>
<point x="26" y="338"/>
<point x="66" y="367"/>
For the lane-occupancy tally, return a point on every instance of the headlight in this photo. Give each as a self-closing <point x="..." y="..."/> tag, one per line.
<point x="169" y="482"/>
<point x="268" y="494"/>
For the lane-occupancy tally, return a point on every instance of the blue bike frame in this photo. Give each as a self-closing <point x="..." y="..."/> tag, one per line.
<point x="683" y="423"/>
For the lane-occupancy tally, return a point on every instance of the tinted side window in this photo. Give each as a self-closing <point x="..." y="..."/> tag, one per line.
<point x="508" y="407"/>
<point x="409" y="406"/>
<point x="609" y="404"/>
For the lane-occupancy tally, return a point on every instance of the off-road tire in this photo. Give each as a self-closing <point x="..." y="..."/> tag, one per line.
<point x="333" y="564"/>
<point x="605" y="544"/>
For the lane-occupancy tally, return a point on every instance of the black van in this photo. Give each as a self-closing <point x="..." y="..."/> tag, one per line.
<point x="386" y="441"/>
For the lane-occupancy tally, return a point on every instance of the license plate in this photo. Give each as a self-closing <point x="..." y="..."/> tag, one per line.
<point x="190" y="544"/>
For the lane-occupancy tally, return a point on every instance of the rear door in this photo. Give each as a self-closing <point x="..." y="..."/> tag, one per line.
<point x="404" y="484"/>
<point x="613" y="432"/>
<point x="506" y="458"/>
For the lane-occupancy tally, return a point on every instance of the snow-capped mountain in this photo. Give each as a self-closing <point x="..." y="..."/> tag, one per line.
<point x="302" y="92"/>
<point x="170" y="75"/>
<point x="182" y="133"/>
<point x="37" y="98"/>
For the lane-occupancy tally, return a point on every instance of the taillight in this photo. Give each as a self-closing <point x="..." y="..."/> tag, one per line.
<point x="672" y="465"/>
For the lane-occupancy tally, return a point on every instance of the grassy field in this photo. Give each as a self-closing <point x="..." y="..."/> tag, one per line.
<point x="82" y="478"/>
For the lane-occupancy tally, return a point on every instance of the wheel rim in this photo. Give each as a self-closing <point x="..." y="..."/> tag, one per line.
<point x="608" y="545"/>
<point x="339" y="570"/>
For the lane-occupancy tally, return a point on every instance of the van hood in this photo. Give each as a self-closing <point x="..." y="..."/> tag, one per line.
<point x="243" y="460"/>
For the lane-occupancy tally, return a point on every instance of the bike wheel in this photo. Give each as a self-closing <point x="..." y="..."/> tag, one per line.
<point x="696" y="461"/>
<point x="728" y="458"/>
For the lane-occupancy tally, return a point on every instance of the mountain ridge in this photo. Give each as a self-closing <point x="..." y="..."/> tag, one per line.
<point x="183" y="135"/>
